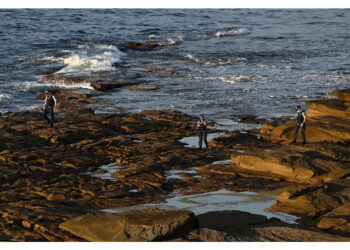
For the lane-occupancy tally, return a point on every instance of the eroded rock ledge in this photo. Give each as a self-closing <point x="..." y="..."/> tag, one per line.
<point x="50" y="175"/>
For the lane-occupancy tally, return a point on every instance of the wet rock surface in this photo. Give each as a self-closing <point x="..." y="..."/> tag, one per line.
<point x="137" y="46"/>
<point x="97" y="84"/>
<point x="51" y="176"/>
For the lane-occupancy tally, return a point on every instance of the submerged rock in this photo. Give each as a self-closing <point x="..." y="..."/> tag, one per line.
<point x="100" y="86"/>
<point x="168" y="72"/>
<point x="141" y="46"/>
<point x="140" y="225"/>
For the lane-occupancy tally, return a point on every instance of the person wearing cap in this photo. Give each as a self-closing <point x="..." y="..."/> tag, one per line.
<point x="202" y="126"/>
<point x="301" y="119"/>
<point x="49" y="107"/>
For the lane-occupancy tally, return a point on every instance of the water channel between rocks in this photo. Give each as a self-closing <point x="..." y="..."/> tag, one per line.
<point x="192" y="141"/>
<point x="252" y="202"/>
<point x="107" y="171"/>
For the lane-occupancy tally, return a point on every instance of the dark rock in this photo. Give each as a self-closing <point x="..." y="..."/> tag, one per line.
<point x="168" y="72"/>
<point x="120" y="65"/>
<point x="314" y="201"/>
<point x="141" y="46"/>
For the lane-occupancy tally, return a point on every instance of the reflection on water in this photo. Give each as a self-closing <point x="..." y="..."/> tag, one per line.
<point x="231" y="125"/>
<point x="175" y="174"/>
<point x="229" y="161"/>
<point x="110" y="169"/>
<point x="256" y="203"/>
<point x="192" y="141"/>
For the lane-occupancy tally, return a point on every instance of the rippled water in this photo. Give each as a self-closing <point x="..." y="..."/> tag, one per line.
<point x="231" y="61"/>
<point x="256" y="203"/>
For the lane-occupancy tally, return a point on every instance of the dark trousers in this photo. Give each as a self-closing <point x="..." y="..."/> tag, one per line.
<point x="302" y="132"/>
<point x="48" y="111"/>
<point x="202" y="137"/>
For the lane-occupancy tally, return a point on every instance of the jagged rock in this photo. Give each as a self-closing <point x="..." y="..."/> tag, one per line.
<point x="209" y="235"/>
<point x="337" y="220"/>
<point x="316" y="200"/>
<point x="293" y="165"/>
<point x="141" y="225"/>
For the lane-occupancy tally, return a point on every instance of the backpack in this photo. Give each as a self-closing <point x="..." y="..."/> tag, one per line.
<point x="50" y="101"/>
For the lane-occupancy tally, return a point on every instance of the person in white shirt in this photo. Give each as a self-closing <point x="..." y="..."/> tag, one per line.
<point x="50" y="104"/>
<point x="202" y="126"/>
<point x="301" y="119"/>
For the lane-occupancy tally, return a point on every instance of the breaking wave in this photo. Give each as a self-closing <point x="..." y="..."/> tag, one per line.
<point x="234" y="32"/>
<point x="91" y="59"/>
<point x="33" y="86"/>
<point x="175" y="40"/>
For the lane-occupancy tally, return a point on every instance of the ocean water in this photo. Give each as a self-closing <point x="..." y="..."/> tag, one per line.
<point x="230" y="61"/>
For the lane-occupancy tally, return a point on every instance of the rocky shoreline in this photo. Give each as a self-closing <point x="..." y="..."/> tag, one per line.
<point x="51" y="188"/>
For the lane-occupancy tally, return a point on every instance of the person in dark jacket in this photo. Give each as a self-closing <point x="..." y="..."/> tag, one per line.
<point x="202" y="126"/>
<point x="50" y="104"/>
<point x="300" y="124"/>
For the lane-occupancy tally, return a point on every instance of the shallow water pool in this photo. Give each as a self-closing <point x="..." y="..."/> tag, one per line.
<point x="252" y="202"/>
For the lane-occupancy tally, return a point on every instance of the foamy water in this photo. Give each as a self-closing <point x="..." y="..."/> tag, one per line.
<point x="91" y="59"/>
<point x="235" y="32"/>
<point x="230" y="62"/>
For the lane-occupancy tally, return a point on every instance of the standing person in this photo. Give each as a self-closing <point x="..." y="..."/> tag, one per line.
<point x="301" y="119"/>
<point x="49" y="107"/>
<point x="202" y="126"/>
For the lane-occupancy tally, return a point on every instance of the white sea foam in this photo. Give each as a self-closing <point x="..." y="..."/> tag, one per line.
<point x="91" y="58"/>
<point x="193" y="58"/>
<point x="232" y="79"/>
<point x="4" y="96"/>
<point x="39" y="86"/>
<point x="175" y="40"/>
<point x="153" y="36"/>
<point x="234" y="32"/>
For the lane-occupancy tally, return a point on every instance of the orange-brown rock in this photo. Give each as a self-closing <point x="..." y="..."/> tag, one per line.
<point x="140" y="225"/>
<point x="337" y="220"/>
<point x="307" y="166"/>
<point x="331" y="107"/>
<point x="342" y="94"/>
<point x="315" y="200"/>
<point x="318" y="129"/>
